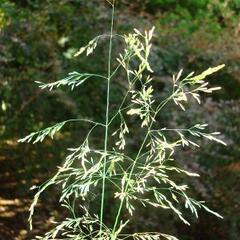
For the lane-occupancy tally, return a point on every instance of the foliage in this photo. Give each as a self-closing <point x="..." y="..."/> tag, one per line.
<point x="144" y="178"/>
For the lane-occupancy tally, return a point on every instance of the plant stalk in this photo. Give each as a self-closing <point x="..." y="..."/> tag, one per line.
<point x="107" y="118"/>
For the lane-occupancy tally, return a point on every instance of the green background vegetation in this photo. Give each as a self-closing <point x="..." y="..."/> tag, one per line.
<point x="37" y="42"/>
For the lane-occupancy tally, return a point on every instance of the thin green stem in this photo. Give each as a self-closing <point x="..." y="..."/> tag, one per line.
<point x="107" y="119"/>
<point x="84" y="120"/>
<point x="94" y="75"/>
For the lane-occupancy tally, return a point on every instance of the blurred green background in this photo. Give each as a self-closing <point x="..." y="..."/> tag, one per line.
<point x="37" y="41"/>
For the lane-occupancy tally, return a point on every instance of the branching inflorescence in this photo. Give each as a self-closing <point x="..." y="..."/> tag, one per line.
<point x="144" y="177"/>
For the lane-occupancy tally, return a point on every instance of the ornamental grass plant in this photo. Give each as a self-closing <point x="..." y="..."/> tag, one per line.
<point x="136" y="178"/>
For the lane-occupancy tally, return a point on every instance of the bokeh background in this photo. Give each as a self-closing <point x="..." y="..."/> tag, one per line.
<point x="37" y="41"/>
